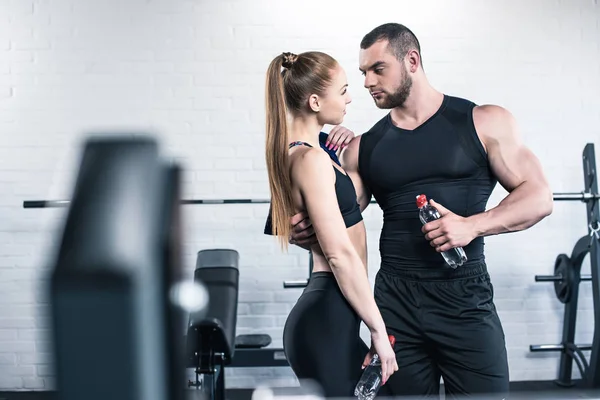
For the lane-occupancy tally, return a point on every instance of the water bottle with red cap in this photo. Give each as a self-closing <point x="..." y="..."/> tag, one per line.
<point x="370" y="381"/>
<point x="454" y="257"/>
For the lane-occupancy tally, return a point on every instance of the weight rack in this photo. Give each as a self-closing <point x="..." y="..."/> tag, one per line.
<point x="566" y="278"/>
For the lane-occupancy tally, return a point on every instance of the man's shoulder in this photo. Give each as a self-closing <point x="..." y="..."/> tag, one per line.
<point x="485" y="109"/>
<point x="492" y="119"/>
<point x="371" y="136"/>
<point x="492" y="111"/>
<point x="380" y="125"/>
<point x="460" y="104"/>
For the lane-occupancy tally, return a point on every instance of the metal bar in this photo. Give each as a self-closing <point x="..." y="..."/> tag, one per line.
<point x="582" y="196"/>
<point x="65" y="203"/>
<point x="547" y="278"/>
<point x="555" y="347"/>
<point x="556" y="278"/>
<point x="295" y="284"/>
<point x="227" y="201"/>
<point x="45" y="203"/>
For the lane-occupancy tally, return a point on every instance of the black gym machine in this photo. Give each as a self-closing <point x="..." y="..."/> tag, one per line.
<point x="566" y="279"/>
<point x="115" y="326"/>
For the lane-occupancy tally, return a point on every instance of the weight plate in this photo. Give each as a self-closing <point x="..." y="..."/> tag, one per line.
<point x="564" y="270"/>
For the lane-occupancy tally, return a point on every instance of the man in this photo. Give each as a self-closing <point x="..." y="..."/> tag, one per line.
<point x="453" y="151"/>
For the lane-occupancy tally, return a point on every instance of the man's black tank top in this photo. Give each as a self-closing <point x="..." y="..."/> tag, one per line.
<point x="444" y="159"/>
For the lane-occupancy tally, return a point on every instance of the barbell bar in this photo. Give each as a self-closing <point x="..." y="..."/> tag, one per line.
<point x="558" y="278"/>
<point x="555" y="347"/>
<point x="581" y="196"/>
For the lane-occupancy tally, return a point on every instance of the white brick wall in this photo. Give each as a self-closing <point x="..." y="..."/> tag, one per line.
<point x="193" y="71"/>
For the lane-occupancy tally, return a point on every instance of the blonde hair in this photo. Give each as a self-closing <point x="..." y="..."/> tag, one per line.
<point x="287" y="92"/>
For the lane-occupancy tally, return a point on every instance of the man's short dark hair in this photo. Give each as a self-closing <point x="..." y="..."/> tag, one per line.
<point x="401" y="39"/>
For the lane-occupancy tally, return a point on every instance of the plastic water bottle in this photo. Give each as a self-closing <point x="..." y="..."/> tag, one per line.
<point x="370" y="381"/>
<point x="454" y="257"/>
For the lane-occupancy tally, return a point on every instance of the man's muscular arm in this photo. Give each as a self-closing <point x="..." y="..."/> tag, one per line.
<point x="517" y="169"/>
<point x="349" y="160"/>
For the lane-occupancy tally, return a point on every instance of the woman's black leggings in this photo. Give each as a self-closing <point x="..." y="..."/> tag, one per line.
<point x="322" y="340"/>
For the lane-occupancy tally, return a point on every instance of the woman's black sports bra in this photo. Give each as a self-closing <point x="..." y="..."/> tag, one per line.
<point x="345" y="192"/>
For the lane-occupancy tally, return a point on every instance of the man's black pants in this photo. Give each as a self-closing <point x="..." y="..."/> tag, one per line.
<point x="445" y="324"/>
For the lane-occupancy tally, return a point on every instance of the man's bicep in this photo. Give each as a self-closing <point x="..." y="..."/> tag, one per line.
<point x="514" y="164"/>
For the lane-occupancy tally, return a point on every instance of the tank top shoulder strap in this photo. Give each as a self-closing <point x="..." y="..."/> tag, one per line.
<point x="460" y="114"/>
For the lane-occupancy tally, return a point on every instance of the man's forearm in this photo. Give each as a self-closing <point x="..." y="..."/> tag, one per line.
<point x="525" y="206"/>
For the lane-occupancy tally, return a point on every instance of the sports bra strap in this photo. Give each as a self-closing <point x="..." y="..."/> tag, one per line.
<point x="298" y="143"/>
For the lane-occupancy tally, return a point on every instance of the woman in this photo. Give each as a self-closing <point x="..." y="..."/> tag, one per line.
<point x="321" y="335"/>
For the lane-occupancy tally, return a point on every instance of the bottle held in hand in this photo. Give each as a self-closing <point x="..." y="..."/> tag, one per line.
<point x="454" y="257"/>
<point x="370" y="381"/>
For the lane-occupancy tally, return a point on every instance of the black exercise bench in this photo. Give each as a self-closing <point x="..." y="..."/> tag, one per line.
<point x="211" y="344"/>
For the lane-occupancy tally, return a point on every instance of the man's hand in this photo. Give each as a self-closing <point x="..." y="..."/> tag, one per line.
<point x="449" y="231"/>
<point x="338" y="138"/>
<point x="302" y="234"/>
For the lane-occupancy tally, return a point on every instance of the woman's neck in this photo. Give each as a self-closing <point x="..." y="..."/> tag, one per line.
<point x="305" y="130"/>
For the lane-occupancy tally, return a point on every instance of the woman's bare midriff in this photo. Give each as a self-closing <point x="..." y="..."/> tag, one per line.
<point x="358" y="237"/>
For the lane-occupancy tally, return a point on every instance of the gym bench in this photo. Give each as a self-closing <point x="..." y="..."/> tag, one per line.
<point x="211" y="344"/>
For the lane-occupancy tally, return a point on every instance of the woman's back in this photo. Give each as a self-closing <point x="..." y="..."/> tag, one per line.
<point x="346" y="205"/>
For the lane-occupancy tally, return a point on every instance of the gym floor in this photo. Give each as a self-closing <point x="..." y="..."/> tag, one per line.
<point x="519" y="391"/>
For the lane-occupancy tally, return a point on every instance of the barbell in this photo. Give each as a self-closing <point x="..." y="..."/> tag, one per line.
<point x="572" y="196"/>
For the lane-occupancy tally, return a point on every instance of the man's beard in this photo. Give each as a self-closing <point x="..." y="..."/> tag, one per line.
<point x="397" y="98"/>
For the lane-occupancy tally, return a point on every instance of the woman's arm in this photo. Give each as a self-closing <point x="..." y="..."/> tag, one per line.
<point x="314" y="176"/>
